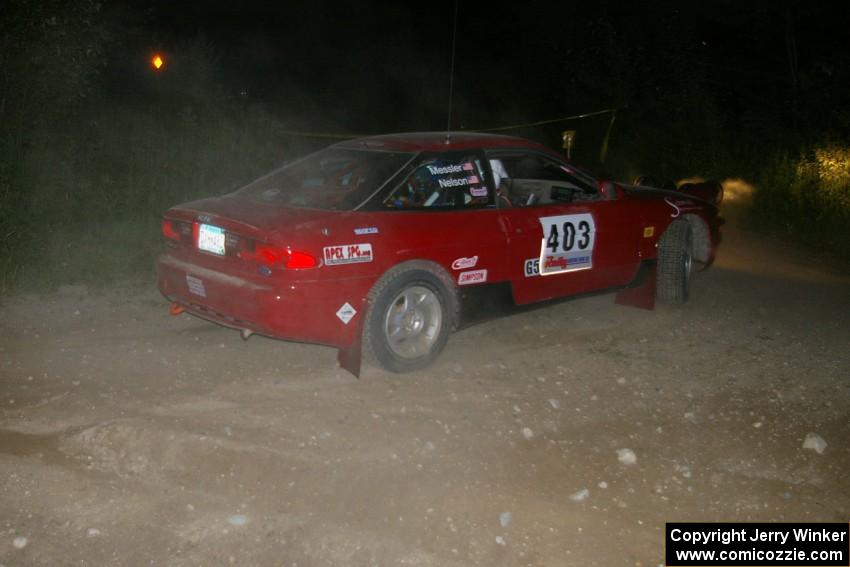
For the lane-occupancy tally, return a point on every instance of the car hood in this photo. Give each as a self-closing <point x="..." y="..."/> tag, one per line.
<point x="707" y="193"/>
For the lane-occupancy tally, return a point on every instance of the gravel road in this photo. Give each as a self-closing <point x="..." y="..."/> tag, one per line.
<point x="562" y="436"/>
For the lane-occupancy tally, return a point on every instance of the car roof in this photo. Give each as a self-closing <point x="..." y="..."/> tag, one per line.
<point x="440" y="142"/>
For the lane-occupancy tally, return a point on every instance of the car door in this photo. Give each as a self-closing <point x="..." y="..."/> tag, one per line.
<point x="443" y="209"/>
<point x="564" y="236"/>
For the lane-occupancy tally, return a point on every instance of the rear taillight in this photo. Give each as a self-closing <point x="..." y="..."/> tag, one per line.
<point x="298" y="260"/>
<point x="169" y="231"/>
<point x="278" y="256"/>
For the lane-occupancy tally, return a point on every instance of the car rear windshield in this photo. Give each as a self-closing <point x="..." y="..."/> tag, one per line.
<point x="333" y="178"/>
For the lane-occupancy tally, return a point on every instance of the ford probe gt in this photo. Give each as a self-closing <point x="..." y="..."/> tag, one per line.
<point x="384" y="245"/>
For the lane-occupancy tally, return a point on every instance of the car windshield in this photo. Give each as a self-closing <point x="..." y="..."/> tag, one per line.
<point x="333" y="178"/>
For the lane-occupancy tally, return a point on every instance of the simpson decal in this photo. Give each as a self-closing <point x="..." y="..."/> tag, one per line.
<point x="346" y="313"/>
<point x="478" y="191"/>
<point x="367" y="230"/>
<point x="464" y="263"/>
<point x="347" y="254"/>
<point x="473" y="277"/>
<point x="567" y="243"/>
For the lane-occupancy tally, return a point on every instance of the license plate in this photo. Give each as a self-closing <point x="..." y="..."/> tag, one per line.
<point x="211" y="239"/>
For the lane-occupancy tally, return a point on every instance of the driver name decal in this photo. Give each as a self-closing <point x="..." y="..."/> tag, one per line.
<point x="463" y="176"/>
<point x="347" y="254"/>
<point x="567" y="244"/>
<point x="442" y="170"/>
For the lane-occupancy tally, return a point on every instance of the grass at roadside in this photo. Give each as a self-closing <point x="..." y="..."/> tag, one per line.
<point x="113" y="251"/>
<point x="805" y="198"/>
<point x="81" y="204"/>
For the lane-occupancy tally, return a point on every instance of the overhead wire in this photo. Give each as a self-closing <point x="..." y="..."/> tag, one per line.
<point x="348" y="136"/>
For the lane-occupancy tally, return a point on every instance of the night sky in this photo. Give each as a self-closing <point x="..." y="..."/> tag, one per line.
<point x="690" y="81"/>
<point x="376" y="66"/>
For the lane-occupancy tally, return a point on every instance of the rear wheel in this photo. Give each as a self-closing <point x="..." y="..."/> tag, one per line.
<point x="409" y="319"/>
<point x="675" y="258"/>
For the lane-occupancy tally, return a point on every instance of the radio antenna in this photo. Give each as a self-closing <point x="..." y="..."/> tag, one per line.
<point x="452" y="77"/>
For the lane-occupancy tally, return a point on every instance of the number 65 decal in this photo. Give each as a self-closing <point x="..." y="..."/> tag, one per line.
<point x="567" y="243"/>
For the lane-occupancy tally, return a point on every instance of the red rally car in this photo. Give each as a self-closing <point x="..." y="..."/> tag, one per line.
<point x="386" y="244"/>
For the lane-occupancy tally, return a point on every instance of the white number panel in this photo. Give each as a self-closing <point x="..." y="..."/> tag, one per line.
<point x="567" y="244"/>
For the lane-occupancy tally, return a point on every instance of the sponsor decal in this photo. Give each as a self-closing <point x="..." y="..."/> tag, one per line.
<point x="204" y="218"/>
<point x="648" y="231"/>
<point x="347" y="254"/>
<point x="196" y="285"/>
<point x="472" y="277"/>
<point x="464" y="263"/>
<point x="562" y="263"/>
<point x="366" y="230"/>
<point x="478" y="191"/>
<point x="567" y="243"/>
<point x="346" y="313"/>
<point x="532" y="267"/>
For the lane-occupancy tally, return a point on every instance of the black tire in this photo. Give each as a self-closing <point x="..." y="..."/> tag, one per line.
<point x="411" y="313"/>
<point x="675" y="259"/>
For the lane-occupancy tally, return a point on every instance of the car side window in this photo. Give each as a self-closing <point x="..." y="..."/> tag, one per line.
<point x="534" y="179"/>
<point x="445" y="181"/>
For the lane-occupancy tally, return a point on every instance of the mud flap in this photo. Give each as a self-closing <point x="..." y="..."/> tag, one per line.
<point x="350" y="357"/>
<point x="641" y="292"/>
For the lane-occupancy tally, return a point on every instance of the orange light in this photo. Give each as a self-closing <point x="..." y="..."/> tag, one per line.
<point x="157" y="61"/>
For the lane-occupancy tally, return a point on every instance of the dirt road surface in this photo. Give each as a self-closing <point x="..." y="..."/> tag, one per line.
<point x="130" y="437"/>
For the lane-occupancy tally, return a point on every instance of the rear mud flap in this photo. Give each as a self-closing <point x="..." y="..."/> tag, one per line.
<point x="350" y="357"/>
<point x="641" y="292"/>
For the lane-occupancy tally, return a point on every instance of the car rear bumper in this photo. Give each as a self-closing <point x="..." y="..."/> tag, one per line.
<point x="271" y="306"/>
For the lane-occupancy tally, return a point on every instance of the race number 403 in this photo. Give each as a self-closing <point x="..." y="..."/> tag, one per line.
<point x="567" y="243"/>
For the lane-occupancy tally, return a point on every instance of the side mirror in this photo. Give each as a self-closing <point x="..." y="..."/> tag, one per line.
<point x="610" y="191"/>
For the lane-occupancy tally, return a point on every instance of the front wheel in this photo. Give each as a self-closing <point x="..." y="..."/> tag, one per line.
<point x="409" y="319"/>
<point x="675" y="256"/>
